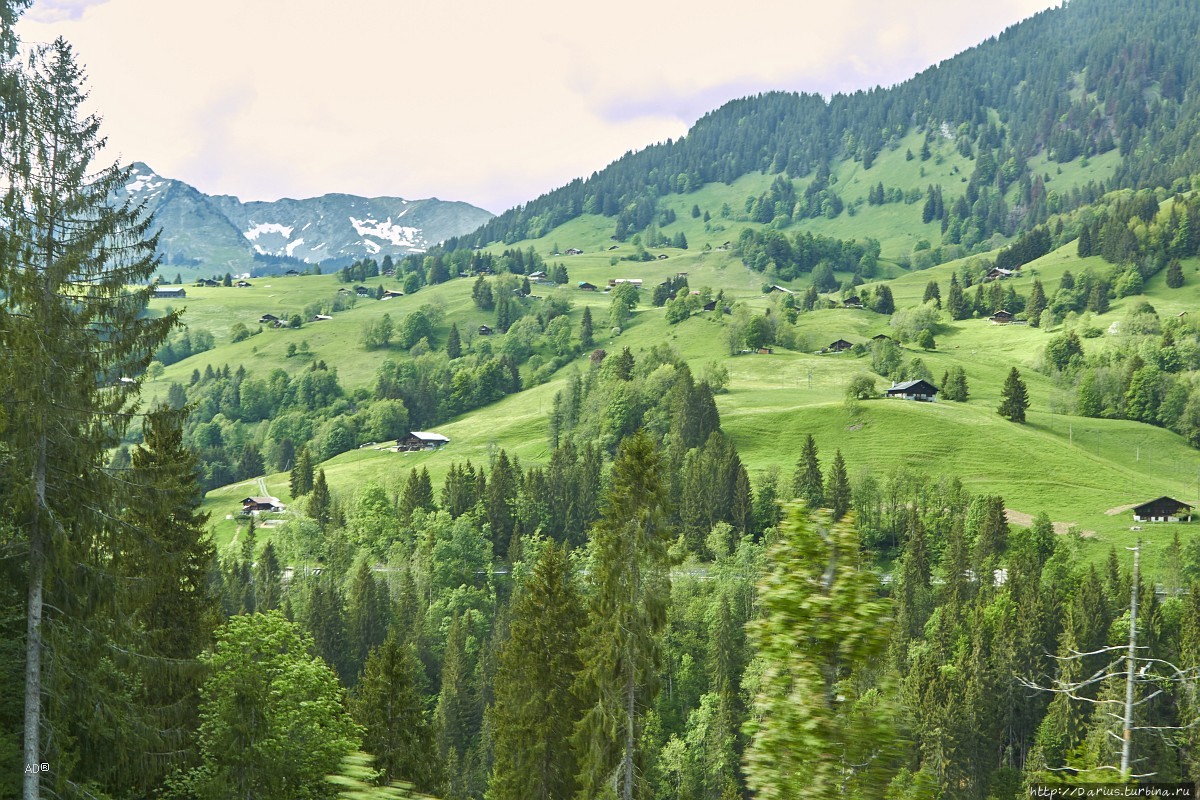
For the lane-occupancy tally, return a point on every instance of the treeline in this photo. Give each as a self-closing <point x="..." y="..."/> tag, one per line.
<point x="1138" y="94"/>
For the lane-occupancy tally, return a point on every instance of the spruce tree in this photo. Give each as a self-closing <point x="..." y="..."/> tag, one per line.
<point x="162" y="562"/>
<point x="586" y="339"/>
<point x="1014" y="397"/>
<point x="631" y="590"/>
<point x="1174" y="274"/>
<point x="499" y="502"/>
<point x="535" y="709"/>
<point x="302" y="473"/>
<point x="388" y="703"/>
<point x="455" y="711"/>
<point x="267" y="577"/>
<point x="366" y="615"/>
<point x="319" y="505"/>
<point x="453" y="343"/>
<point x="956" y="304"/>
<point x="74" y="272"/>
<point x="837" y="487"/>
<point x="807" y="483"/>
<point x="1036" y="304"/>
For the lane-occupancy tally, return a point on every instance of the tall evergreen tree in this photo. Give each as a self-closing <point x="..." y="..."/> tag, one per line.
<point x="302" y="473"/>
<point x="1174" y="274"/>
<point x="320" y="504"/>
<point x="837" y="487"/>
<point x="388" y="703"/>
<point x="366" y="615"/>
<point x="325" y="619"/>
<point x="535" y="709"/>
<point x="956" y="304"/>
<point x="267" y="576"/>
<point x="71" y="327"/>
<point x="453" y="342"/>
<point x="586" y="338"/>
<point x="452" y="718"/>
<point x="631" y="589"/>
<point x="1036" y="303"/>
<point x="807" y="482"/>
<point x="1014" y="397"/>
<point x="500" y="500"/>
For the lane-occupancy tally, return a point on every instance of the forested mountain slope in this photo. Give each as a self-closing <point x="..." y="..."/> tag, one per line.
<point x="1078" y="80"/>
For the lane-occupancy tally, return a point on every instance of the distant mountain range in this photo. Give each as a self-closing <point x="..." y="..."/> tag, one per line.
<point x="203" y="234"/>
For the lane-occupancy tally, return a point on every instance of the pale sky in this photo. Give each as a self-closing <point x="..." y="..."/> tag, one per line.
<point x="489" y="102"/>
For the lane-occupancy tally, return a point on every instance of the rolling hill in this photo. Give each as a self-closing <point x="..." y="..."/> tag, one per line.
<point x="1030" y="130"/>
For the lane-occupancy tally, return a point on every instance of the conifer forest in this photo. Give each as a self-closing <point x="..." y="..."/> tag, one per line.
<point x="546" y="539"/>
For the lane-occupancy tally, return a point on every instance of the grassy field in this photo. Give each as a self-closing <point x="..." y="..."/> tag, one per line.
<point x="1073" y="468"/>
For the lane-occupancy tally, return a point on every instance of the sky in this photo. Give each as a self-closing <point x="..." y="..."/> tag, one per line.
<point x="475" y="100"/>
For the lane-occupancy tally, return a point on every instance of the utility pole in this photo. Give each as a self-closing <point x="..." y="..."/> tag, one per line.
<point x="1130" y="664"/>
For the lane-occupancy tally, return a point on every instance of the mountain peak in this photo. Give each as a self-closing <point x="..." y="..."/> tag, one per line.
<point x="203" y="233"/>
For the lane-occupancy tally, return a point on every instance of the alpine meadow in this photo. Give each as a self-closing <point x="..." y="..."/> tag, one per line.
<point x="846" y="446"/>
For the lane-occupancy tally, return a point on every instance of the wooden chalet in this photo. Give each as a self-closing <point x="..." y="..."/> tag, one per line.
<point x="421" y="440"/>
<point x="207" y="282"/>
<point x="587" y="287"/>
<point x="841" y="345"/>
<point x="267" y="318"/>
<point x="390" y="293"/>
<point x="1002" y="317"/>
<point x="321" y="317"/>
<point x="484" y="330"/>
<point x="663" y="256"/>
<point x="537" y="276"/>
<point x="292" y="272"/>
<point x="921" y="390"/>
<point x="882" y="337"/>
<point x="574" y="251"/>
<point x="777" y="288"/>
<point x="1164" y="509"/>
<point x="362" y="291"/>
<point x="711" y="305"/>
<point x="853" y="301"/>
<point x="170" y="291"/>
<point x="242" y="284"/>
<point x="998" y="274"/>
<point x="257" y="505"/>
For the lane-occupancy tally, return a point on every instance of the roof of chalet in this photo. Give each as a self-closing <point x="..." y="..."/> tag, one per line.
<point x="903" y="387"/>
<point x="1157" y="500"/>
<point x="427" y="436"/>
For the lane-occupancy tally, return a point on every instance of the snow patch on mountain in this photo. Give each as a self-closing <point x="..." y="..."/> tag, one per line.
<point x="268" y="227"/>
<point x="397" y="235"/>
<point x="144" y="182"/>
<point x="291" y="246"/>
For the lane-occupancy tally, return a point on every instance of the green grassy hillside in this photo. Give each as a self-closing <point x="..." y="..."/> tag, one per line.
<point x="1073" y="468"/>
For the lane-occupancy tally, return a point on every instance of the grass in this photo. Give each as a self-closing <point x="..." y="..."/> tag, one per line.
<point x="1073" y="468"/>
